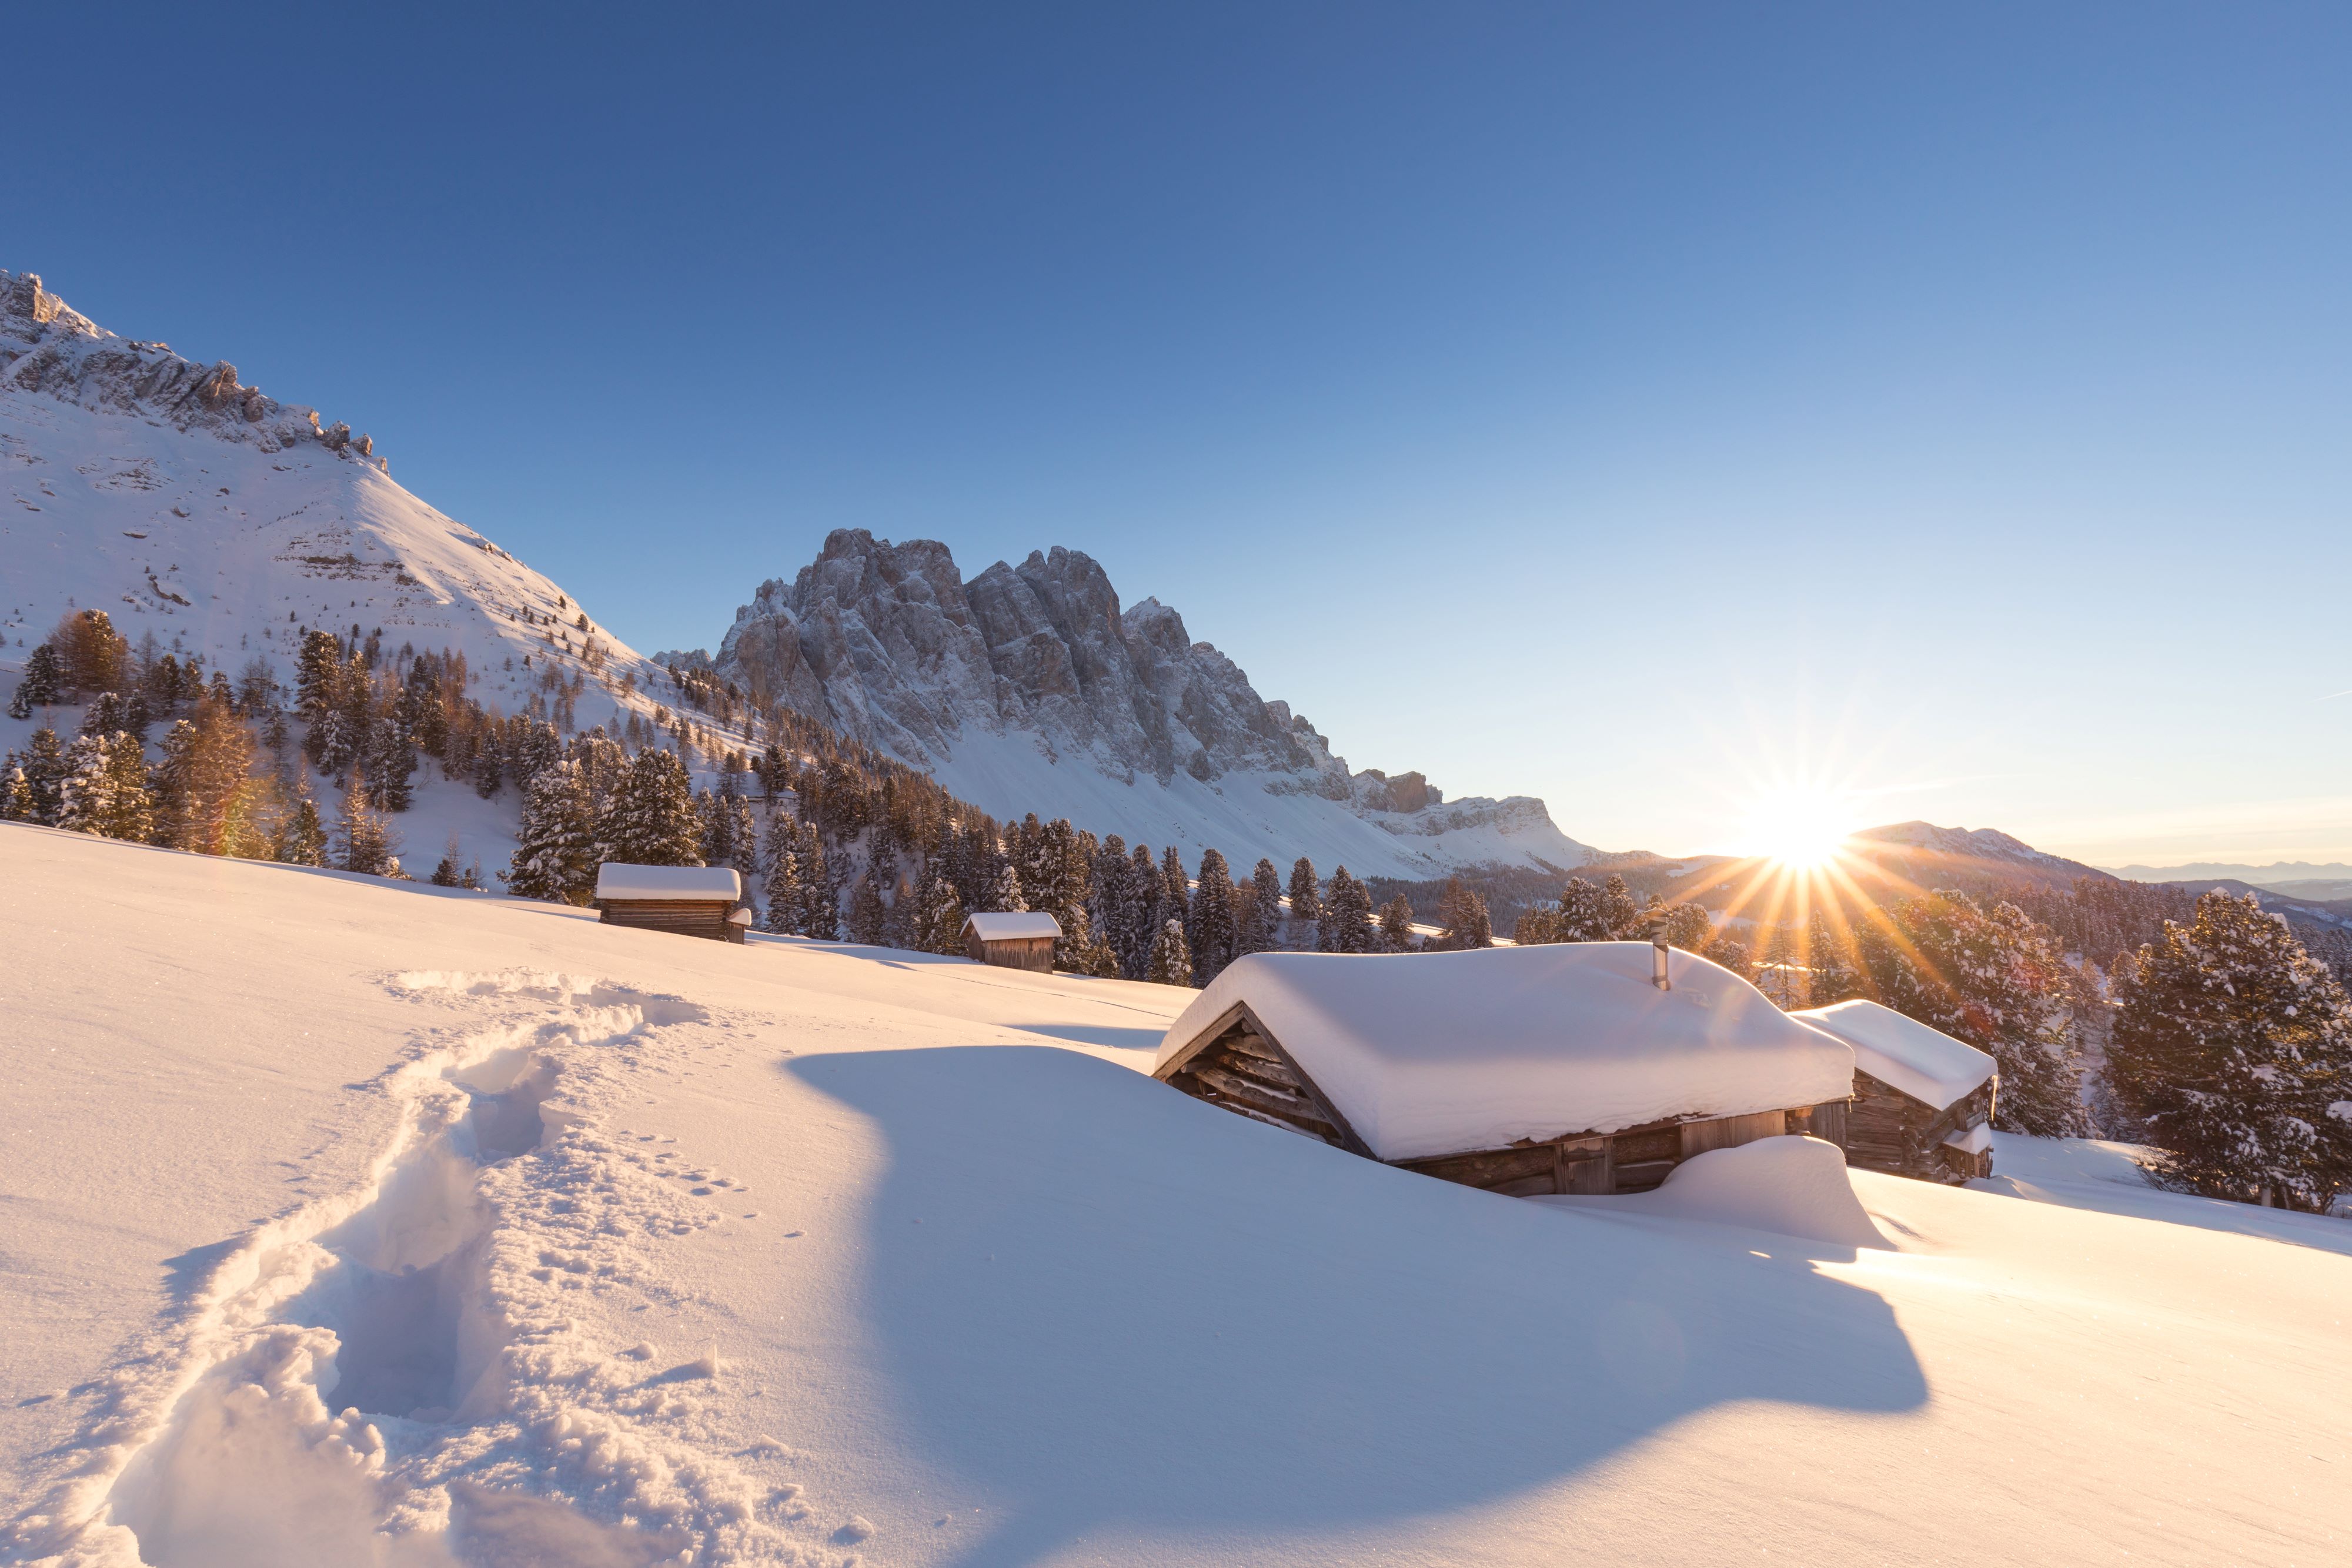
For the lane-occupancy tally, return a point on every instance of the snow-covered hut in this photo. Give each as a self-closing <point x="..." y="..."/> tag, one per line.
<point x="1562" y="1068"/>
<point x="1015" y="941"/>
<point x="1923" y="1101"/>
<point x="692" y="901"/>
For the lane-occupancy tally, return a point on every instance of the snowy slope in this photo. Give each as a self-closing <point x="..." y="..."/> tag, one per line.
<point x="1030" y="688"/>
<point x="224" y="523"/>
<point x="823" y="1252"/>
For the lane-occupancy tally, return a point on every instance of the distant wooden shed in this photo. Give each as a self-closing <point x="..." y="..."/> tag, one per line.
<point x="1015" y="941"/>
<point x="1923" y="1101"/>
<point x="691" y="900"/>
<point x="1561" y="1068"/>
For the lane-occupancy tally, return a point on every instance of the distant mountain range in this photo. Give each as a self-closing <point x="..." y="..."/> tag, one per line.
<point x="1030" y="688"/>
<point x="2296" y="878"/>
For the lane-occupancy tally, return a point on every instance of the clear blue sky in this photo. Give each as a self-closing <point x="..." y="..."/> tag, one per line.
<point x="1633" y="406"/>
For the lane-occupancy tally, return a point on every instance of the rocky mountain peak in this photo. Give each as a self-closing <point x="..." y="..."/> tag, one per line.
<point x="48" y="346"/>
<point x="1037" y="673"/>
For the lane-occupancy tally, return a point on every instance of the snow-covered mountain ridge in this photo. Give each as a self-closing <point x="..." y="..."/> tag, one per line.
<point x="1030" y="688"/>
<point x="222" y="522"/>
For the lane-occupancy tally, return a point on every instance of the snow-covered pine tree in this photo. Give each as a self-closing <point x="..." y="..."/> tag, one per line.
<point x="1995" y="980"/>
<point x="786" y="895"/>
<point x="1306" y="906"/>
<point x="105" y="790"/>
<point x="44" y="776"/>
<point x="1269" y="883"/>
<point x="1463" y="914"/>
<point x="1253" y="932"/>
<point x="717" y="829"/>
<point x="1583" y="912"/>
<point x="390" y="764"/>
<point x="865" y="910"/>
<point x="450" y="869"/>
<point x="302" y="837"/>
<point x="555" y="859"/>
<point x="362" y="842"/>
<point x="1142" y="922"/>
<point x="1688" y="927"/>
<point x="1175" y="894"/>
<point x="650" y="817"/>
<point x="1112" y="894"/>
<point x="1621" y="916"/>
<point x="87" y="798"/>
<point x="43" y="684"/>
<point x="176" y="785"/>
<point x="821" y="890"/>
<point x="1210" y="930"/>
<point x="745" y="833"/>
<point x="318" y="675"/>
<point x="1346" y="925"/>
<point x="1396" y="924"/>
<point x="15" y="795"/>
<point x="901" y="921"/>
<point x="1006" y="897"/>
<point x="945" y="918"/>
<point x="2234" y="1048"/>
<point x="1172" y="962"/>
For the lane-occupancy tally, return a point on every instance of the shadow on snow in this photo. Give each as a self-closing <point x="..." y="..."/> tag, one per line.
<point x="1126" y="1309"/>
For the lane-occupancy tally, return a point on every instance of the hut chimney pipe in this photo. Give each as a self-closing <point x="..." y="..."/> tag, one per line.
<point x="1658" y="960"/>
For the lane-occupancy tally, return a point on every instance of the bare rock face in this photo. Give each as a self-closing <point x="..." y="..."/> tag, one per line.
<point x="889" y="643"/>
<point x="47" y="346"/>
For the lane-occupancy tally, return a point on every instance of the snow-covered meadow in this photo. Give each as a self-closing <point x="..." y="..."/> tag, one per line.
<point x="353" y="1221"/>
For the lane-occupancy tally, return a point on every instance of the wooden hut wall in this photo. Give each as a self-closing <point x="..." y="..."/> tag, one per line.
<point x="1015" y="953"/>
<point x="1240" y="1066"/>
<point x="1889" y="1131"/>
<point x="1244" y="1069"/>
<point x="682" y="916"/>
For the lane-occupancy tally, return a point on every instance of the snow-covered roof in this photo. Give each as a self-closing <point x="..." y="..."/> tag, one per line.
<point x="1925" y="1063"/>
<point x="1012" y="927"/>
<point x="1434" y="1053"/>
<point x="615" y="879"/>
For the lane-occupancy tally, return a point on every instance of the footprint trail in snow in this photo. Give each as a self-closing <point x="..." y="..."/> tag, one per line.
<point x="399" y="1376"/>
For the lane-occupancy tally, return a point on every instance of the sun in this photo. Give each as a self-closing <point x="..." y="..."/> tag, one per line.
<point x="1799" y="828"/>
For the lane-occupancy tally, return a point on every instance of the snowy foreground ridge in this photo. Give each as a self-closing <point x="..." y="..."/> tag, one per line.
<point x="356" y="1222"/>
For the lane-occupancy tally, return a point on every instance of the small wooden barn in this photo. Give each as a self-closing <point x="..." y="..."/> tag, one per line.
<point x="1923" y="1101"/>
<point x="1564" y="1068"/>
<point x="1014" y="941"/>
<point x="692" y="901"/>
